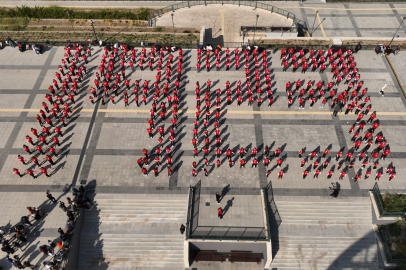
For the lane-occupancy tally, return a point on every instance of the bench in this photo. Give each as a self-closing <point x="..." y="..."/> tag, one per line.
<point x="210" y="256"/>
<point x="245" y="257"/>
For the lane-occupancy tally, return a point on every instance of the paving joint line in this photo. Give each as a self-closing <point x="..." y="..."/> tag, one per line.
<point x="351" y="17"/>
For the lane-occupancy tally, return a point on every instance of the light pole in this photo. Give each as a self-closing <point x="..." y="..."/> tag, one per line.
<point x="67" y="12"/>
<point x="317" y="26"/>
<point x="256" y="23"/>
<point x="315" y="17"/>
<point x="173" y="26"/>
<point x="94" y="31"/>
<point x="403" y="19"/>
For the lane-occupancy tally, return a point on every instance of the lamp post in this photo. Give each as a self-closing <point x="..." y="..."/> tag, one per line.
<point x="317" y="26"/>
<point x="315" y="17"/>
<point x="67" y="12"/>
<point x="403" y="19"/>
<point x="94" y="31"/>
<point x="256" y="23"/>
<point x="173" y="26"/>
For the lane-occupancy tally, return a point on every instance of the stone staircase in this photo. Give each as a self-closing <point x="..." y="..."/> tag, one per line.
<point x="133" y="231"/>
<point x="319" y="233"/>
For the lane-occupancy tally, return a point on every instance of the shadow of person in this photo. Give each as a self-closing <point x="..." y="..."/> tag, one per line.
<point x="228" y="205"/>
<point x="225" y="190"/>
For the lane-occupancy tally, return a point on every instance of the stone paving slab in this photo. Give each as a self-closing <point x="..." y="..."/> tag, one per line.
<point x="236" y="210"/>
<point x="10" y="78"/>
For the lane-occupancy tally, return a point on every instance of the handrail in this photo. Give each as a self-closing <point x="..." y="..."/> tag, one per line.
<point x="188" y="211"/>
<point x="265" y="192"/>
<point x="157" y="13"/>
<point x="230" y="233"/>
<point x="386" y="249"/>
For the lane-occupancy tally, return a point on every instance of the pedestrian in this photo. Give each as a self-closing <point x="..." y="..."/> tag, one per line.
<point x="382" y="92"/>
<point x="50" y="197"/>
<point x="144" y="171"/>
<point x="305" y="173"/>
<point x="31" y="172"/>
<point x="342" y="175"/>
<point x="62" y="206"/>
<point x="49" y="159"/>
<point x="156" y="171"/>
<point x="28" y="264"/>
<point x="44" y="171"/>
<point x="182" y="229"/>
<point x="392" y="175"/>
<point x="16" y="171"/>
<point x="25" y="221"/>
<point x="280" y="174"/>
<point x="218" y="198"/>
<point x="220" y="212"/>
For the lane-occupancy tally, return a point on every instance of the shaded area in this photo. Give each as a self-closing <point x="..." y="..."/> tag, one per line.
<point x="274" y="218"/>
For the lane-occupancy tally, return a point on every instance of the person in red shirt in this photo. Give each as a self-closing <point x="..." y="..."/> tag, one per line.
<point x="144" y="171"/>
<point x="277" y="152"/>
<point x="357" y="177"/>
<point x="392" y="175"/>
<point x="349" y="156"/>
<point x="316" y="173"/>
<point x="385" y="153"/>
<point x="325" y="153"/>
<point x="342" y="175"/>
<point x="254" y="163"/>
<point x="280" y="174"/>
<point x="305" y="173"/>
<point x="29" y="139"/>
<point x="378" y="175"/>
<point x="220" y="213"/>
<point x="313" y="154"/>
<point x="16" y="171"/>
<point x="339" y="154"/>
<point x="279" y="162"/>
<point x="31" y="172"/>
<point x="44" y="171"/>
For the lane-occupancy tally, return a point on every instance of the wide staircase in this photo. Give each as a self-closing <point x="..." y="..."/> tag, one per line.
<point x="319" y="233"/>
<point x="133" y="232"/>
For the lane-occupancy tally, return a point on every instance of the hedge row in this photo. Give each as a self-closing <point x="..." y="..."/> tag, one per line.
<point x="55" y="12"/>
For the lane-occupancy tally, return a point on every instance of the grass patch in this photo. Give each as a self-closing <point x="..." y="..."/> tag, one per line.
<point x="394" y="236"/>
<point x="394" y="202"/>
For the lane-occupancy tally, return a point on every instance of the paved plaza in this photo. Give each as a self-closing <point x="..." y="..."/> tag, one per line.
<point x="101" y="143"/>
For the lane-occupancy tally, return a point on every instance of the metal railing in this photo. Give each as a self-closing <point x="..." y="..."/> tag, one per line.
<point x="157" y="13"/>
<point x="229" y="233"/>
<point x="189" y="209"/>
<point x="266" y="203"/>
<point x="386" y="249"/>
<point x="380" y="204"/>
<point x="194" y="231"/>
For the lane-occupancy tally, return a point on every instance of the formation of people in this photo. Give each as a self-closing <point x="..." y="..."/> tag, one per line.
<point x="55" y="115"/>
<point x="111" y="83"/>
<point x="15" y="238"/>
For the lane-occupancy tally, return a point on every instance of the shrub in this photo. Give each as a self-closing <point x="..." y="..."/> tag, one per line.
<point x="394" y="202"/>
<point x="55" y="12"/>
